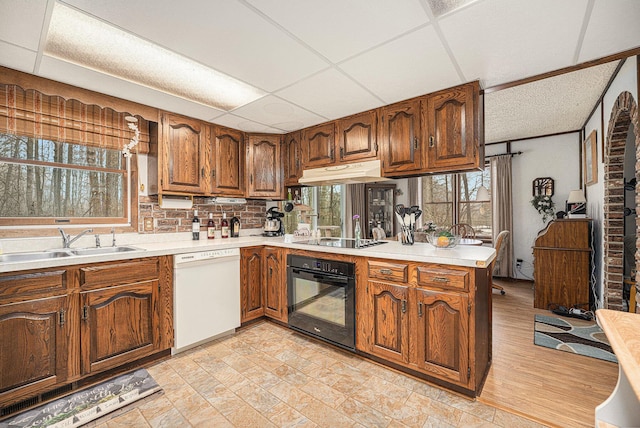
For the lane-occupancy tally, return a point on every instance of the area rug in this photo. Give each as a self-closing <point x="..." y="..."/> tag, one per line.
<point x="88" y="404"/>
<point x="573" y="335"/>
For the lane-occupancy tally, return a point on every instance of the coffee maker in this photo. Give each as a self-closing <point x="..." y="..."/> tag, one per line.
<point x="273" y="225"/>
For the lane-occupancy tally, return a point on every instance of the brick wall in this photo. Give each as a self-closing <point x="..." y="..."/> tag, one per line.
<point x="623" y="114"/>
<point x="251" y="215"/>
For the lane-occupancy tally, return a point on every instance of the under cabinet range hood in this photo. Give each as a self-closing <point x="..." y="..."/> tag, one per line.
<point x="359" y="172"/>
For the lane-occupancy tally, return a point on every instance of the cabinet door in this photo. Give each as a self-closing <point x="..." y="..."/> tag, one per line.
<point x="119" y="324"/>
<point x="251" y="294"/>
<point x="442" y="333"/>
<point x="33" y="344"/>
<point x="452" y="135"/>
<point x="275" y="302"/>
<point x="400" y="138"/>
<point x="318" y="145"/>
<point x="264" y="167"/>
<point x="182" y="159"/>
<point x="387" y="335"/>
<point x="292" y="156"/>
<point x="228" y="160"/>
<point x="357" y="137"/>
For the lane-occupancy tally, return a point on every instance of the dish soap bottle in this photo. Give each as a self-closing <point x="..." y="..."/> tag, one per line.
<point x="224" y="225"/>
<point x="195" y="226"/>
<point x="211" y="227"/>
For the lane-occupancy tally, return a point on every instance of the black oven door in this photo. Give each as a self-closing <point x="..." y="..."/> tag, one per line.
<point x="322" y="305"/>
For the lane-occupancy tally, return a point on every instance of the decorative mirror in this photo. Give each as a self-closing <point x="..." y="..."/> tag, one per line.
<point x="543" y="186"/>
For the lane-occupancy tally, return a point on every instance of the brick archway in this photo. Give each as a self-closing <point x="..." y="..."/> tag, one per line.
<point x="623" y="114"/>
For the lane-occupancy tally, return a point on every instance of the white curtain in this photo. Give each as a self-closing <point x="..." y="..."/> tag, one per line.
<point x="502" y="207"/>
<point x="354" y="204"/>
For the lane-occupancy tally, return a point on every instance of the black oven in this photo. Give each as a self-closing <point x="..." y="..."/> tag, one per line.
<point x="321" y="296"/>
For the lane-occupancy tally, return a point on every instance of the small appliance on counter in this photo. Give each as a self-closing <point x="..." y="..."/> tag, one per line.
<point x="234" y="227"/>
<point x="273" y="225"/>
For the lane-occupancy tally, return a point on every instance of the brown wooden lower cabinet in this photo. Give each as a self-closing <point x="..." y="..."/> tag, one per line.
<point x="263" y="288"/>
<point x="61" y="325"/>
<point x="441" y="330"/>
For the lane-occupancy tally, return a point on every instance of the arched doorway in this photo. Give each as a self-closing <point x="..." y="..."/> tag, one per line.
<point x="623" y="115"/>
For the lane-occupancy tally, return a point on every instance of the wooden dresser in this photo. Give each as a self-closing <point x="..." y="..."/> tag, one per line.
<point x="562" y="264"/>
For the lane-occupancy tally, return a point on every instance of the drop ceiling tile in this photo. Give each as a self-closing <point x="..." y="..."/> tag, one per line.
<point x="276" y="112"/>
<point x="498" y="42"/>
<point x="245" y="125"/>
<point x="21" y="22"/>
<point x="72" y="74"/>
<point x="17" y="58"/>
<point x="339" y="29"/>
<point x="330" y="94"/>
<point x="412" y="65"/>
<point x="601" y="39"/>
<point x="223" y="34"/>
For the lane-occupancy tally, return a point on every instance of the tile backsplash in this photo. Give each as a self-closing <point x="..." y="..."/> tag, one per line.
<point x="251" y="215"/>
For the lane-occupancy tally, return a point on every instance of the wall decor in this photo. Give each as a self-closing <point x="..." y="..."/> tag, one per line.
<point x="542" y="186"/>
<point x="590" y="159"/>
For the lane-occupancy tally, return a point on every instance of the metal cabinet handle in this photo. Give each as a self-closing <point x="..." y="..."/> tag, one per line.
<point x="386" y="271"/>
<point x="404" y="306"/>
<point x="431" y="141"/>
<point x="441" y="279"/>
<point x="213" y="173"/>
<point x="202" y="172"/>
<point x="420" y="309"/>
<point x="415" y="143"/>
<point x="85" y="312"/>
<point x="341" y="153"/>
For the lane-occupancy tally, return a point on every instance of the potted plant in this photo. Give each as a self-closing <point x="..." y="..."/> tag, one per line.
<point x="545" y="206"/>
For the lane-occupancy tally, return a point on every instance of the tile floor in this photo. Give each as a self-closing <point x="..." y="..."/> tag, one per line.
<point x="268" y="376"/>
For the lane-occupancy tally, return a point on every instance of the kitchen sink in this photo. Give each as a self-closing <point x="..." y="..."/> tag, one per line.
<point x="33" y="256"/>
<point x="102" y="250"/>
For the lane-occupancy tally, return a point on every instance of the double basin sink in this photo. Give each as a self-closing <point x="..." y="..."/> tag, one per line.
<point x="63" y="252"/>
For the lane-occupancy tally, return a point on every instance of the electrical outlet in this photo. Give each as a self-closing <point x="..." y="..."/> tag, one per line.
<point x="148" y="224"/>
<point x="518" y="263"/>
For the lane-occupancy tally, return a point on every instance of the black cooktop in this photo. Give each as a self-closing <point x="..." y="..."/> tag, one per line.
<point x="342" y="242"/>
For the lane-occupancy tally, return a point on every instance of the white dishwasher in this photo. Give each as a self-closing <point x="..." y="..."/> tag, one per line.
<point x="206" y="296"/>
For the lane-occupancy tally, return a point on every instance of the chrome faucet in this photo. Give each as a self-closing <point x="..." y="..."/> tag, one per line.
<point x="67" y="240"/>
<point x="113" y="236"/>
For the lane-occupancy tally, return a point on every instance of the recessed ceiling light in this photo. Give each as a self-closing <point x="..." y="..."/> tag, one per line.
<point x="442" y="7"/>
<point x="83" y="40"/>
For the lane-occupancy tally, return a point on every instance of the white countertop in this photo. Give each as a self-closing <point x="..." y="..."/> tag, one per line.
<point x="462" y="255"/>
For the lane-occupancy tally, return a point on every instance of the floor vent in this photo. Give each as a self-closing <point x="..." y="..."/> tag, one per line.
<point x="30" y="402"/>
<point x="15" y="408"/>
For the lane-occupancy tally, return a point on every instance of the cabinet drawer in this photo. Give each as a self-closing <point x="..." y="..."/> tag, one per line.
<point x="456" y="279"/>
<point x="397" y="272"/>
<point x="126" y="272"/>
<point x="14" y="285"/>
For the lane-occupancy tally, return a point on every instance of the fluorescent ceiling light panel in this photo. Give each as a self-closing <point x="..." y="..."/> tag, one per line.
<point x="89" y="42"/>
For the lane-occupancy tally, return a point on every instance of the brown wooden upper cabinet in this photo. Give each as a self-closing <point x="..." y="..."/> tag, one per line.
<point x="227" y="156"/>
<point x="453" y="129"/>
<point x="292" y="158"/>
<point x="182" y="154"/>
<point x="400" y="135"/>
<point x="318" y="145"/>
<point x="357" y="137"/>
<point x="264" y="166"/>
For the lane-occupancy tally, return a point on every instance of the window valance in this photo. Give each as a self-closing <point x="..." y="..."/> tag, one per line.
<point x="34" y="114"/>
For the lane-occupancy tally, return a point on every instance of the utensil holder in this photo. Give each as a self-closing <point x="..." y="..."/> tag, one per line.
<point x="407" y="235"/>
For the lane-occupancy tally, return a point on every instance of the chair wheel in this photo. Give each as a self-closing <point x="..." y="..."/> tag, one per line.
<point x="503" y="292"/>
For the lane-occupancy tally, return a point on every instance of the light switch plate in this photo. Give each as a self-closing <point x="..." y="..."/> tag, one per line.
<point x="148" y="224"/>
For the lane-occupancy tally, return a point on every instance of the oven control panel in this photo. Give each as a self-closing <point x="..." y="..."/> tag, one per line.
<point x="320" y="265"/>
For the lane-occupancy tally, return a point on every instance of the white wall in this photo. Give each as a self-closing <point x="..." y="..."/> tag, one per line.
<point x="626" y="80"/>
<point x="556" y="157"/>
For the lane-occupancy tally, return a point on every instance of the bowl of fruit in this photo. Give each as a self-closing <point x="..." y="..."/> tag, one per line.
<point x="443" y="239"/>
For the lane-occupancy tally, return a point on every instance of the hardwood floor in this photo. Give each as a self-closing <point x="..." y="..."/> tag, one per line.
<point x="553" y="387"/>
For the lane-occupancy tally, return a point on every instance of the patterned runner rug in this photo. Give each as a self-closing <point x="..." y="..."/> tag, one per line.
<point x="87" y="404"/>
<point x="573" y="335"/>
